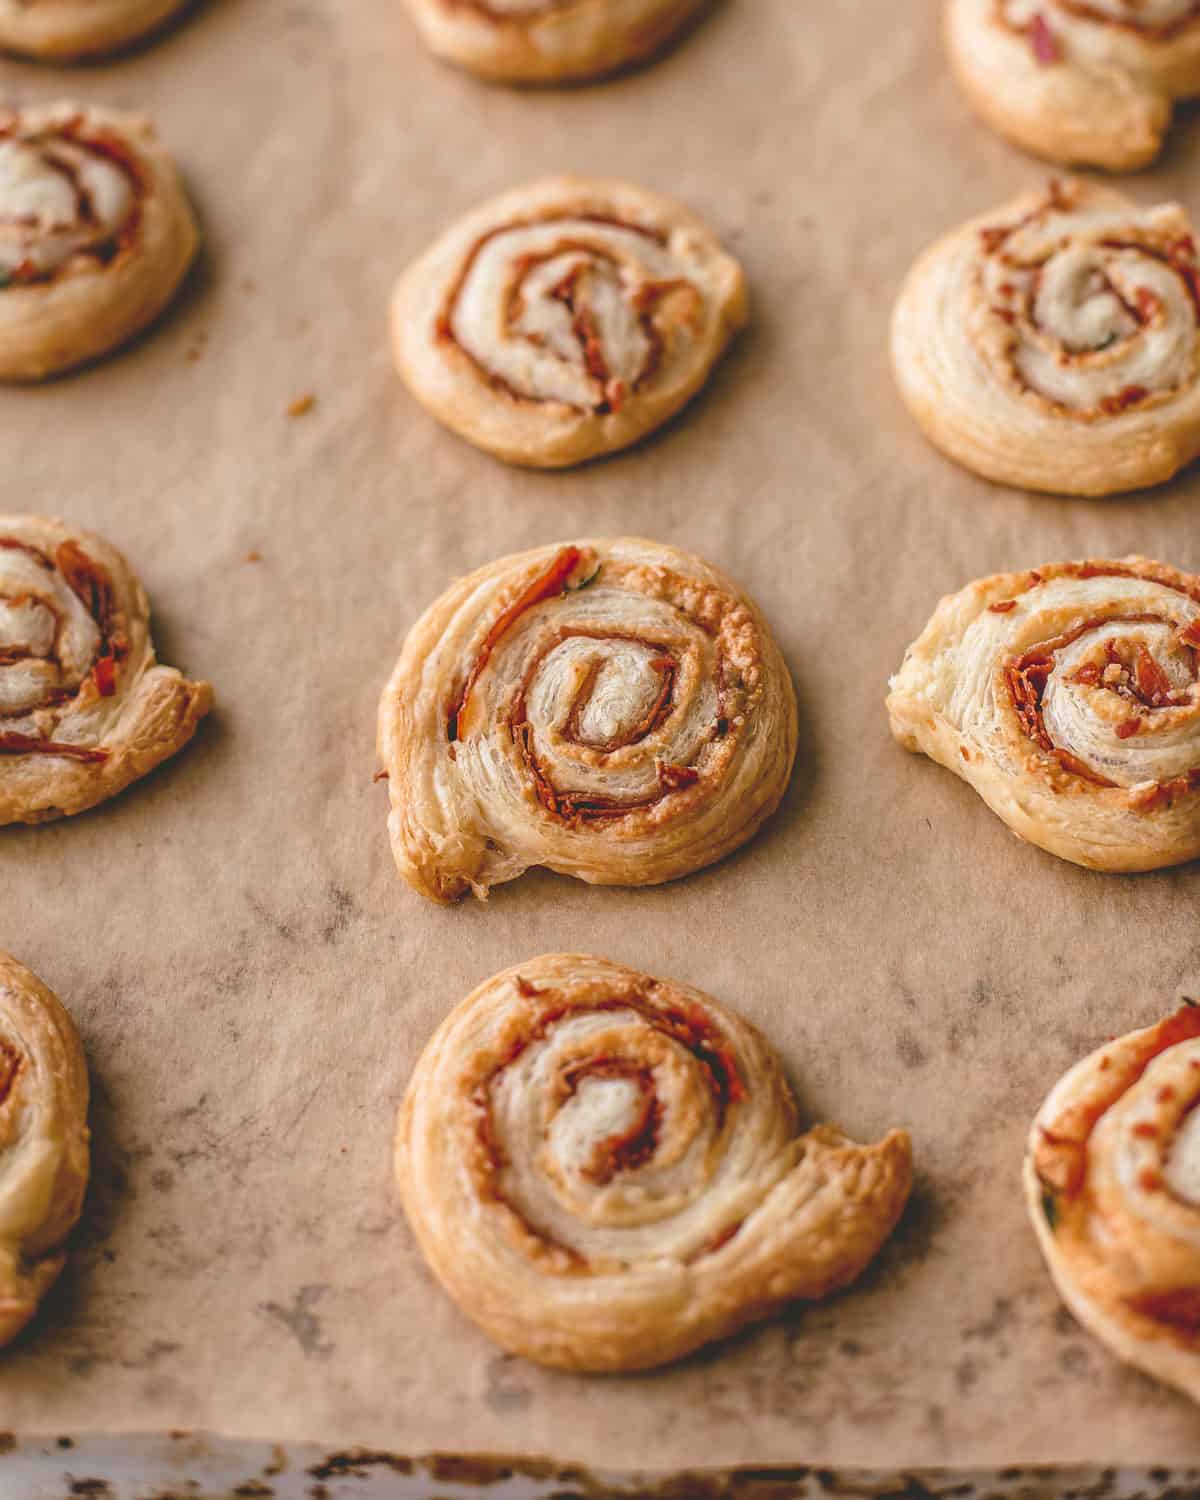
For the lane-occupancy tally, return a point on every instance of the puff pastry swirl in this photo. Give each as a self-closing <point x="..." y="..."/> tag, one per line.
<point x="84" y="707"/>
<point x="1055" y="343"/>
<point x="565" y="319"/>
<point x="549" y="41"/>
<point x="70" y="29"/>
<point x="95" y="235"/>
<point x="1087" y="82"/>
<point x="603" y="1169"/>
<point x="614" y="710"/>
<point x="1069" y="698"/>
<point x="1112" y="1181"/>
<point x="43" y="1141"/>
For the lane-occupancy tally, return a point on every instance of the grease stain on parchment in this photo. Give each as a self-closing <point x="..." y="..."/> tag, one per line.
<point x="301" y="1320"/>
<point x="506" y="1391"/>
<point x="909" y="1048"/>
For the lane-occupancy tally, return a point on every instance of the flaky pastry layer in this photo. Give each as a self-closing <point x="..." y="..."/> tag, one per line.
<point x="549" y="41"/>
<point x="43" y="1141"/>
<point x="1082" y="82"/>
<point x="1112" y="1181"/>
<point x="96" y="235"/>
<point x="1069" y="698"/>
<point x="67" y="30"/>
<point x="604" y="1172"/>
<point x="85" y="709"/>
<point x="1055" y="343"/>
<point x="616" y="710"/>
<point x="565" y="320"/>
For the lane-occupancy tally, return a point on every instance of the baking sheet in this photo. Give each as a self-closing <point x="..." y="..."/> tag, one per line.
<point x="252" y="981"/>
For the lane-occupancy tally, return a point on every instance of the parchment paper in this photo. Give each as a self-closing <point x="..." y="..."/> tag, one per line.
<point x="252" y="980"/>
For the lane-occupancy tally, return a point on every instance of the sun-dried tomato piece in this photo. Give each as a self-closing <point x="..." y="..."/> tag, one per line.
<point x="12" y="743"/>
<point x="546" y="586"/>
<point x="105" y="676"/>
<point x="1153" y="684"/>
<point x="1046" y="46"/>
<point x="1113" y="405"/>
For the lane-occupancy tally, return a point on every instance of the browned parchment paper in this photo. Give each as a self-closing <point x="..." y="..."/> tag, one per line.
<point x="253" y="982"/>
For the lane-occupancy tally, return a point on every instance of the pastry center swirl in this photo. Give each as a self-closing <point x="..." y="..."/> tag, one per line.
<point x="605" y="1120"/>
<point x="49" y="639"/>
<point x="61" y="196"/>
<point x="599" y="690"/>
<point x="61" y="642"/>
<point x="601" y="719"/>
<point x="608" y="723"/>
<point x="1116" y="699"/>
<point x="1092" y="313"/>
<point x="579" y="311"/>
<point x="602" y="693"/>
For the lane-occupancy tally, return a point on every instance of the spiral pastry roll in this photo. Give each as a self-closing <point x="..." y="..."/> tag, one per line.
<point x="603" y="1169"/>
<point x="1055" y="344"/>
<point x="95" y="235"/>
<point x="43" y="1141"/>
<point x="614" y="710"/>
<point x="1069" y="698"/>
<point x="84" y="707"/>
<point x="1112" y="1180"/>
<point x="71" y="29"/>
<point x="549" y="41"/>
<point x="565" y="320"/>
<point x="1090" y="82"/>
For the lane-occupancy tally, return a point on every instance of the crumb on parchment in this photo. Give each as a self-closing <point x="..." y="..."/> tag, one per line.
<point x="301" y="405"/>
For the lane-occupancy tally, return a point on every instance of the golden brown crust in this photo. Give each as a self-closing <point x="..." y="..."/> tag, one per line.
<point x="616" y="710"/>
<point x="85" y="709"/>
<point x="549" y="41"/>
<point x="68" y="30"/>
<point x="603" y="1169"/>
<point x="1075" y="82"/>
<point x="96" y="235"/>
<point x="1069" y="698"/>
<point x="43" y="1141"/>
<point x="1112" y="1184"/>
<point x="1055" y="343"/>
<point x="565" y="320"/>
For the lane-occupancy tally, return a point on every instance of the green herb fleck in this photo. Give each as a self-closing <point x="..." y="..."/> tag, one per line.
<point x="1187" y="1000"/>
<point x="5" y="280"/>
<point x="1050" y="1209"/>
<point x="574" y="588"/>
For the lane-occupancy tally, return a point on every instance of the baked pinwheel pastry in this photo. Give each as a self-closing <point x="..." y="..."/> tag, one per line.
<point x="603" y="1170"/>
<point x="614" y="710"/>
<point x="69" y="29"/>
<point x="549" y="41"/>
<point x="565" y="319"/>
<point x="1088" y="82"/>
<point x="1053" y="344"/>
<point x="43" y="1141"/>
<point x="84" y="707"/>
<point x="1069" y="698"/>
<point x="1112" y="1180"/>
<point x="95" y="235"/>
